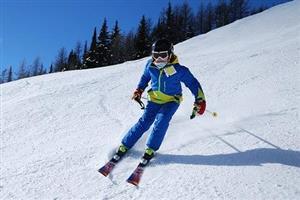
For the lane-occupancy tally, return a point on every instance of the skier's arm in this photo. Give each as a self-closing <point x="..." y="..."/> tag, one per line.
<point x="193" y="84"/>
<point x="144" y="79"/>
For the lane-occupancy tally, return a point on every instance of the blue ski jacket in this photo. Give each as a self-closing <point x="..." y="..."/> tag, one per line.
<point x="166" y="82"/>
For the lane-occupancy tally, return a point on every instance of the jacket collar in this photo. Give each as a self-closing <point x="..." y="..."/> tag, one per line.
<point x="173" y="60"/>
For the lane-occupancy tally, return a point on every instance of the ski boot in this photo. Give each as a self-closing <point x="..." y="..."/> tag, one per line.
<point x="120" y="152"/>
<point x="148" y="155"/>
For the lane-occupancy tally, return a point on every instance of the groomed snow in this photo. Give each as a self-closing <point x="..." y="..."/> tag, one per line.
<point x="58" y="129"/>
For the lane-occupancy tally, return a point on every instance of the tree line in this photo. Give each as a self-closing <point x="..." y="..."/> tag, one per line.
<point x="176" y="23"/>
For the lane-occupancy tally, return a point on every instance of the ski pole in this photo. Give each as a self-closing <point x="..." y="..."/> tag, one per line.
<point x="194" y="113"/>
<point x="214" y="114"/>
<point x="140" y="102"/>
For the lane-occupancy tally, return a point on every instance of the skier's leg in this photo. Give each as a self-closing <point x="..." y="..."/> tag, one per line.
<point x="161" y="125"/>
<point x="142" y="125"/>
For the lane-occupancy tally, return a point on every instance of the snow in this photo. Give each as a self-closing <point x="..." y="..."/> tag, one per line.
<point x="58" y="129"/>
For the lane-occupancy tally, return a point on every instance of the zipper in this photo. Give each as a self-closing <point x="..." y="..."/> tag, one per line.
<point x="159" y="79"/>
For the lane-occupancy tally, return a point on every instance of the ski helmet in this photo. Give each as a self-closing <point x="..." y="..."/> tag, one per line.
<point x="163" y="45"/>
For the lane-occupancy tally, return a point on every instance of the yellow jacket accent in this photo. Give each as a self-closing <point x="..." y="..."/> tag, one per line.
<point x="161" y="98"/>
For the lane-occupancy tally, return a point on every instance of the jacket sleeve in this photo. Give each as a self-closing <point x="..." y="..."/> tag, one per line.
<point x="145" y="78"/>
<point x="192" y="83"/>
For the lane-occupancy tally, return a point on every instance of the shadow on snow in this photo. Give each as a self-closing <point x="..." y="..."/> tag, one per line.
<point x="254" y="157"/>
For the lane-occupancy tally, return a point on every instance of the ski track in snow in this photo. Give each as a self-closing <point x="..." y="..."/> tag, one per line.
<point x="58" y="129"/>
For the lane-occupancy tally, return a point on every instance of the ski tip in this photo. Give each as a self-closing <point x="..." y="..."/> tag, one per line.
<point x="136" y="184"/>
<point x="107" y="168"/>
<point x="102" y="172"/>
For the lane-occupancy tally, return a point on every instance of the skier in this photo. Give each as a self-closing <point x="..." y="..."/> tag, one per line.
<point x="164" y="98"/>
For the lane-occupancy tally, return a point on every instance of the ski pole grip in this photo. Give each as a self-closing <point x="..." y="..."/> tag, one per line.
<point x="193" y="115"/>
<point x="140" y="102"/>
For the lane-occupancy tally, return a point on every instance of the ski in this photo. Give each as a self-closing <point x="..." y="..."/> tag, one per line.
<point x="136" y="175"/>
<point x="107" y="168"/>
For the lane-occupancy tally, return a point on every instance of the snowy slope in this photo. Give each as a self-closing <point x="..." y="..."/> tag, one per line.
<point x="57" y="129"/>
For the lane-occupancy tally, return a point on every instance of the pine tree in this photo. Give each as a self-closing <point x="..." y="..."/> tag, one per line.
<point x="143" y="41"/>
<point x="10" y="74"/>
<point x="238" y="9"/>
<point x="78" y="53"/>
<point x="85" y="48"/>
<point x="36" y="66"/>
<point x="51" y="68"/>
<point x="170" y="29"/>
<point x="209" y="16"/>
<point x="185" y="17"/>
<point x="222" y="14"/>
<point x="93" y="45"/>
<point x="159" y="29"/>
<point x="22" y="73"/>
<point x="42" y="70"/>
<point x="129" y="46"/>
<point x="200" y="20"/>
<point x="61" y="60"/>
<point x="257" y="10"/>
<point x="116" y="45"/>
<point x="103" y="47"/>
<point x="84" y="56"/>
<point x="90" y="57"/>
<point x="72" y="61"/>
<point x="3" y="78"/>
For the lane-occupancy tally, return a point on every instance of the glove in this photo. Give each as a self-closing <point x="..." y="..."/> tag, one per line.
<point x="199" y="106"/>
<point x="137" y="94"/>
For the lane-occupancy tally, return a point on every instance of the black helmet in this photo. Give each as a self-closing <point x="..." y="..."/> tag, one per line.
<point x="163" y="45"/>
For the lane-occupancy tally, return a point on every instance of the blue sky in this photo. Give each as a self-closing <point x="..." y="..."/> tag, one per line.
<point x="31" y="28"/>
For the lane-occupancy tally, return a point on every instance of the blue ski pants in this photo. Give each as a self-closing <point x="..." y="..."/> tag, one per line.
<point x="162" y="115"/>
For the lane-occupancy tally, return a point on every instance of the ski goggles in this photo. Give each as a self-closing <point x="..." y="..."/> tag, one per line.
<point x="161" y="54"/>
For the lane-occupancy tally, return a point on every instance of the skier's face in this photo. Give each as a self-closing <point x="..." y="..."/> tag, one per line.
<point x="160" y="54"/>
<point x="160" y="59"/>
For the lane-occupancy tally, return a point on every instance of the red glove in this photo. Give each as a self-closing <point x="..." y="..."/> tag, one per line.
<point x="137" y="94"/>
<point x="200" y="106"/>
